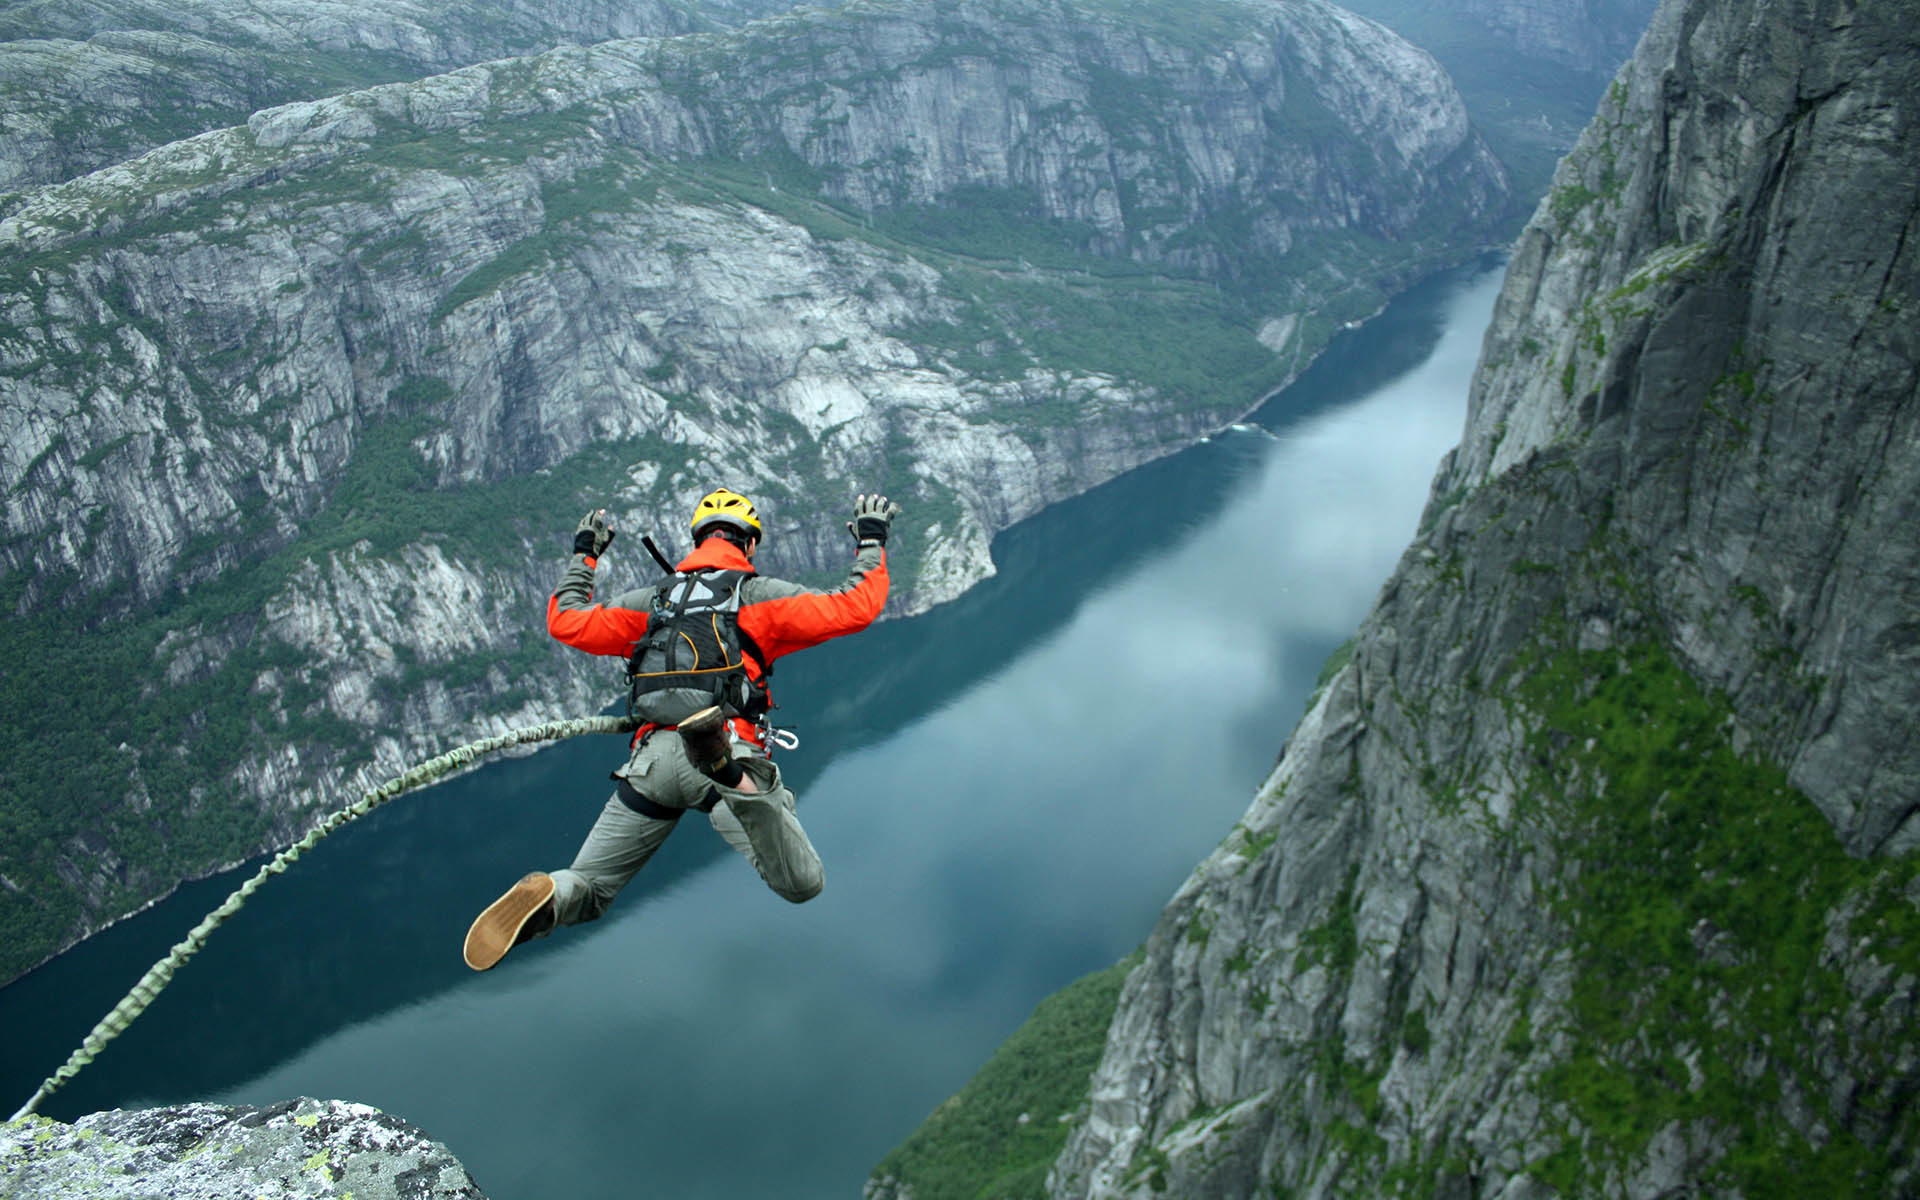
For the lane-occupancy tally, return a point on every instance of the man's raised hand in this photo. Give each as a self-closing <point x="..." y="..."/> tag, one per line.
<point x="872" y="519"/>
<point x="594" y="534"/>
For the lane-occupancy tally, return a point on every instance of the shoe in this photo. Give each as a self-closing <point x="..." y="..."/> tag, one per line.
<point x="709" y="742"/>
<point x="526" y="911"/>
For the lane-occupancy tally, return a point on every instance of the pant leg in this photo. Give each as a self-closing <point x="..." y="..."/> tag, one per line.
<point x="763" y="827"/>
<point x="619" y="844"/>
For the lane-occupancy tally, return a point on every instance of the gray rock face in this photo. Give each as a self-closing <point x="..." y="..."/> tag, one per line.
<point x="214" y="1152"/>
<point x="1586" y="36"/>
<point x="328" y="390"/>
<point x="94" y="84"/>
<point x="1592" y="873"/>
<point x="1723" y="263"/>
<point x="1531" y="70"/>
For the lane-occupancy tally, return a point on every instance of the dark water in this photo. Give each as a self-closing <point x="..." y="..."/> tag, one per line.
<point x="1005" y="791"/>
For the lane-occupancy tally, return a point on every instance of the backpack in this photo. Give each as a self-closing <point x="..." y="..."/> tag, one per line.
<point x="690" y="657"/>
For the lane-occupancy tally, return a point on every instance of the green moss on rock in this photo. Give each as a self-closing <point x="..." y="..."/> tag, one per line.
<point x="998" y="1135"/>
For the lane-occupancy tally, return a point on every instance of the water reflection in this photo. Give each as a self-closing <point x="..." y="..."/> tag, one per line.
<point x="1005" y="792"/>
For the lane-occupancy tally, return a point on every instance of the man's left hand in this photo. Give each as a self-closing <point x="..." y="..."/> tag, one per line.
<point x="594" y="534"/>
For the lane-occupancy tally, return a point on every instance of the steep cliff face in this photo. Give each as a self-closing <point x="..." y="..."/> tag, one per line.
<point x="94" y="84"/>
<point x="1592" y="872"/>
<point x="1586" y="36"/>
<point x="1531" y="70"/>
<point x="299" y="413"/>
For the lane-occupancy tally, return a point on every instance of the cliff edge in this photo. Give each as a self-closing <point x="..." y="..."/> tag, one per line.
<point x="1592" y="871"/>
<point x="216" y="1152"/>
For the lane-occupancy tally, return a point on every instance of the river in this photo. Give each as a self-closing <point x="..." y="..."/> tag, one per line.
<point x="1005" y="792"/>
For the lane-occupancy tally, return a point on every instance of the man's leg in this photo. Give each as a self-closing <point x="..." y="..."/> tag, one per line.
<point x="761" y="825"/>
<point x="619" y="844"/>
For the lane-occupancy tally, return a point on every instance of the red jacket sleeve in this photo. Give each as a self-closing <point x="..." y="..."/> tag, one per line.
<point x="595" y="628"/>
<point x="784" y="617"/>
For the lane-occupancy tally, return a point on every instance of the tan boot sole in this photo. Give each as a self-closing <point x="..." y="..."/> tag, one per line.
<point x="496" y="930"/>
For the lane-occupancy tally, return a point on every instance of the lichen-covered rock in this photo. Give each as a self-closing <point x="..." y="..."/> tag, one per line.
<point x="299" y="1148"/>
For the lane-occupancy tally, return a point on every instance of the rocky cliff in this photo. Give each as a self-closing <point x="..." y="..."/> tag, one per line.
<point x="88" y="85"/>
<point x="215" y="1152"/>
<point x="1530" y="70"/>
<point x="1592" y="871"/>
<point x="1584" y="35"/>
<point x="299" y="413"/>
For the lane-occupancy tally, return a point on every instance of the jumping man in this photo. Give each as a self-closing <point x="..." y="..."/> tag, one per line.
<point x="699" y="644"/>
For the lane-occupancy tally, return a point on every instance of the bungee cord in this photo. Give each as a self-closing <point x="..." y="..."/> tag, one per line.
<point x="157" y="977"/>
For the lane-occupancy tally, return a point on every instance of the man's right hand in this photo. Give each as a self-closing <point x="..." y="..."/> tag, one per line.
<point x="594" y="534"/>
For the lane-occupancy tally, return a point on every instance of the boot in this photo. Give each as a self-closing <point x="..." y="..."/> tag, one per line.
<point x="710" y="744"/>
<point x="526" y="911"/>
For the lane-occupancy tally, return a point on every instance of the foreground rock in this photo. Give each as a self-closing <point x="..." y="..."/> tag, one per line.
<point x="215" y="1152"/>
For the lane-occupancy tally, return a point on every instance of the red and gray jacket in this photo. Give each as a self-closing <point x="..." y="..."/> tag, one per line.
<point x="779" y="617"/>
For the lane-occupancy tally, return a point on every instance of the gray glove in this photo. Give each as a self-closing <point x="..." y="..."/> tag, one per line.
<point x="872" y="519"/>
<point x="594" y="534"/>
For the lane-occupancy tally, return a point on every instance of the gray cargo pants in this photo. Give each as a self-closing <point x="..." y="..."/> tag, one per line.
<point x="761" y="826"/>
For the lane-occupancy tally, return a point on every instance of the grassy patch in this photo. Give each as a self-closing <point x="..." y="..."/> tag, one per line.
<point x="976" y="1144"/>
<point x="1335" y="942"/>
<point x="1701" y="893"/>
<point x="1335" y="663"/>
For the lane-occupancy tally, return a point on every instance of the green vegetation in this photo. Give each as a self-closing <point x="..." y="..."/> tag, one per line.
<point x="1336" y="663"/>
<point x="994" y="225"/>
<point x="1415" y="1037"/>
<point x="1334" y="943"/>
<point x="998" y="1135"/>
<point x="1253" y="845"/>
<point x="1702" y="893"/>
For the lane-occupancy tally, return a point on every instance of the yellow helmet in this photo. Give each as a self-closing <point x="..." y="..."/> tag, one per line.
<point x="722" y="507"/>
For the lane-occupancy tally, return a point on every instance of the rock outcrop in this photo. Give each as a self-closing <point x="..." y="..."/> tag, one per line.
<point x="1593" y="871"/>
<point x="89" y="85"/>
<point x="1531" y="70"/>
<point x="215" y="1152"/>
<point x="299" y="413"/>
<point x="1584" y="35"/>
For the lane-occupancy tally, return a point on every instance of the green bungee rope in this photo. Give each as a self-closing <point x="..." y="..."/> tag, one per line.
<point x="136" y="1001"/>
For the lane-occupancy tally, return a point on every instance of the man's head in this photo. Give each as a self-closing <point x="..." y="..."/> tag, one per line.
<point x="729" y="515"/>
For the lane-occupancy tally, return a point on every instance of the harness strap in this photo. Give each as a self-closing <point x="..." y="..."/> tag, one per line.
<point x="749" y="646"/>
<point x="633" y="799"/>
<point x="683" y="592"/>
<point x="630" y="797"/>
